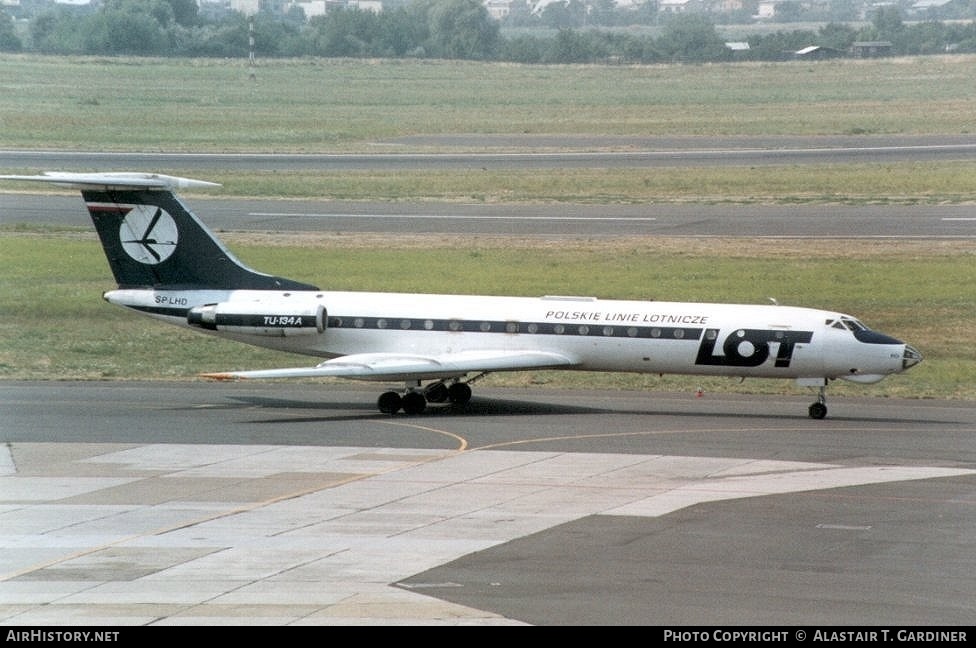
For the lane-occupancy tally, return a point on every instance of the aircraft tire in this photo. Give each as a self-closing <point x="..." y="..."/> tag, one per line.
<point x="389" y="402"/>
<point x="459" y="393"/>
<point x="818" y="411"/>
<point x="436" y="393"/>
<point x="413" y="402"/>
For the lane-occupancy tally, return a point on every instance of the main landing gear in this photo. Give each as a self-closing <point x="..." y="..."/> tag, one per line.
<point x="414" y="400"/>
<point x="818" y="410"/>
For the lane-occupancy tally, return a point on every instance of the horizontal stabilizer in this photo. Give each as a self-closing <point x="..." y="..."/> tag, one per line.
<point x="114" y="181"/>
<point x="395" y="366"/>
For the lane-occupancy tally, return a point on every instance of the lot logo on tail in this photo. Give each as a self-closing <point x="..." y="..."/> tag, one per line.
<point x="148" y="234"/>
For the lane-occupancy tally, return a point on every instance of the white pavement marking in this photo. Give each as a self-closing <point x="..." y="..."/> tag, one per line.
<point x="217" y="534"/>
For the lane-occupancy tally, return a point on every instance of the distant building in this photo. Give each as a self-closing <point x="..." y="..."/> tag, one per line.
<point x="498" y="9"/>
<point x="766" y="9"/>
<point x="310" y="7"/>
<point x="680" y="6"/>
<point x="727" y="6"/>
<point x="376" y="6"/>
<point x="870" y="49"/>
<point x="921" y="7"/>
<point x="246" y="7"/>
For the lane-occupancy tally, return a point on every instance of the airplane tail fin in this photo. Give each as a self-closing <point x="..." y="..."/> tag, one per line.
<point x="151" y="239"/>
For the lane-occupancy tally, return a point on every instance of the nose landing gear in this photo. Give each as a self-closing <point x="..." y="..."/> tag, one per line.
<point x="818" y="410"/>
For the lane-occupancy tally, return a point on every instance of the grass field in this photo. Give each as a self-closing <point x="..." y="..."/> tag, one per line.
<point x="322" y="105"/>
<point x="334" y="106"/>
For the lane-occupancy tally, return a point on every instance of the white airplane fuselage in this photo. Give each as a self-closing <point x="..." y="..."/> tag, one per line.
<point x="763" y="341"/>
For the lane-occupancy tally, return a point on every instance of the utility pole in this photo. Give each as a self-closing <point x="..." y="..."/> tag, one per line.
<point x="250" y="43"/>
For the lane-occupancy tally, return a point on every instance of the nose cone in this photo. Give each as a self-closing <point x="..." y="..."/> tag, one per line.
<point x="910" y="357"/>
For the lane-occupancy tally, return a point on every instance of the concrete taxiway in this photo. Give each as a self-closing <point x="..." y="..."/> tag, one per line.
<point x="244" y="504"/>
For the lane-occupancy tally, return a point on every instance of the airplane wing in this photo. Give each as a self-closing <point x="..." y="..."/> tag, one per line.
<point x="399" y="366"/>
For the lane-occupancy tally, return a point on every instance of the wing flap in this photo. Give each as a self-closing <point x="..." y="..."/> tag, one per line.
<point x="396" y="366"/>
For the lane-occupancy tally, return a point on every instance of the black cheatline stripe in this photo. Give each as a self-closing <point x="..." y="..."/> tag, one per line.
<point x="161" y="310"/>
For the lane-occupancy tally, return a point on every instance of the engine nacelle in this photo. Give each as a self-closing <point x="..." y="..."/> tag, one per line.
<point x="268" y="319"/>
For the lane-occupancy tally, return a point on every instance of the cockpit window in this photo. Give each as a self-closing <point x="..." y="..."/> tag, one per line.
<point x="850" y="324"/>
<point x="847" y="324"/>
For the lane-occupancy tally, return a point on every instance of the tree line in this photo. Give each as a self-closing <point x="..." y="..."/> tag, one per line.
<point x="441" y="29"/>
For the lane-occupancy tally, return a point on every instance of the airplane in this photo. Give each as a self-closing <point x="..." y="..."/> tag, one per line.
<point x="168" y="265"/>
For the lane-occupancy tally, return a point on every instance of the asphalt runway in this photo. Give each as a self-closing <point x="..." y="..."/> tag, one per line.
<point x="866" y="222"/>
<point x="279" y="503"/>
<point x="484" y="151"/>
